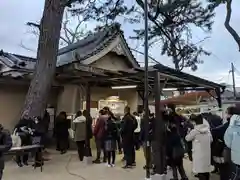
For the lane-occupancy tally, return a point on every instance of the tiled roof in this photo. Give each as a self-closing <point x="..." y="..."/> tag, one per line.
<point x="13" y="61"/>
<point x="83" y="49"/>
<point x="91" y="45"/>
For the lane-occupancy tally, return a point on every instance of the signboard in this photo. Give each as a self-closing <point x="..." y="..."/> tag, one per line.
<point x="90" y="69"/>
<point x="117" y="107"/>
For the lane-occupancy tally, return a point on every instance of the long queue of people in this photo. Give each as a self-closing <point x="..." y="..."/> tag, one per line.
<point x="202" y="137"/>
<point x="208" y="140"/>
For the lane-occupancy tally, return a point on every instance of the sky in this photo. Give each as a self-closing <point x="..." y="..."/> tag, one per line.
<point x="14" y="15"/>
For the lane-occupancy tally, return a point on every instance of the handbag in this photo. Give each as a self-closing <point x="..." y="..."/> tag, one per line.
<point x="16" y="139"/>
<point x="227" y="155"/>
<point x="71" y="133"/>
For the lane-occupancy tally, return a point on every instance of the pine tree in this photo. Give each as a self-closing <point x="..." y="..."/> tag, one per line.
<point x="49" y="35"/>
<point x="171" y="24"/>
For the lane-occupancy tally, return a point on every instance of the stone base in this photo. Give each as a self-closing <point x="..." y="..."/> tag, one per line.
<point x="88" y="160"/>
<point x="159" y="177"/>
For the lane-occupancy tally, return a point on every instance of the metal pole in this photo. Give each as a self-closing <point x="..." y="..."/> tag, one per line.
<point x="146" y="109"/>
<point x="233" y="78"/>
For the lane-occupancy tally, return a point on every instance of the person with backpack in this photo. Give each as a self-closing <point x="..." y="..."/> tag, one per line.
<point x="5" y="145"/>
<point x="175" y="152"/>
<point x="232" y="141"/>
<point x="201" y="147"/>
<point x="110" y="140"/>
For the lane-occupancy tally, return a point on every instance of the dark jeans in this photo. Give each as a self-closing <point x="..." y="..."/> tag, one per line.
<point x="119" y="144"/>
<point x="100" y="148"/>
<point x="235" y="172"/>
<point x="137" y="141"/>
<point x="178" y="167"/>
<point x="129" y="154"/>
<point x="203" y="176"/>
<point x="1" y="174"/>
<point x="224" y="171"/>
<point x="81" y="149"/>
<point x="111" y="155"/>
<point x="23" y="158"/>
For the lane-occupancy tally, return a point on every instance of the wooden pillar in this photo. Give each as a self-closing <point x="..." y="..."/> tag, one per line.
<point x="88" y="152"/>
<point x="88" y="98"/>
<point x="159" y="133"/>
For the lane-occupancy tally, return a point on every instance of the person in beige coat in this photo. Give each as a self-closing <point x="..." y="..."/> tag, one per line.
<point x="79" y="128"/>
<point x="201" y="151"/>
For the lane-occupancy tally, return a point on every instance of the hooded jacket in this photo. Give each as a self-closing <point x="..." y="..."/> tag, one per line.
<point x="232" y="138"/>
<point x="79" y="126"/>
<point x="201" y="148"/>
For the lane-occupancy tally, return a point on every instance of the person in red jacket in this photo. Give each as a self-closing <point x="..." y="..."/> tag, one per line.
<point x="98" y="134"/>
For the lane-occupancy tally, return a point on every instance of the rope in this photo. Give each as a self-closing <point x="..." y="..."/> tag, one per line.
<point x="70" y="173"/>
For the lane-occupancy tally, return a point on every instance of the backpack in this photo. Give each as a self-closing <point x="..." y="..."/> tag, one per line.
<point x="111" y="129"/>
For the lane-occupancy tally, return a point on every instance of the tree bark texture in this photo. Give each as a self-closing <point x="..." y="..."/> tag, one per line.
<point x="50" y="27"/>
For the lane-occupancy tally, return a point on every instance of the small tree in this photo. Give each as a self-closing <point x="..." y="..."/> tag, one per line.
<point x="171" y="24"/>
<point x="50" y="30"/>
<point x="230" y="29"/>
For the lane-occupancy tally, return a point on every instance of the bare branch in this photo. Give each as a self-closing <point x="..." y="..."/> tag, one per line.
<point x="35" y="25"/>
<point x="227" y="23"/>
<point x="65" y="40"/>
<point x="66" y="31"/>
<point x="25" y="47"/>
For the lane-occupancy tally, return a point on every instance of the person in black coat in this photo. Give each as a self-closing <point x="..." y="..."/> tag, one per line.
<point x="5" y="145"/>
<point x="218" y="146"/>
<point x="175" y="152"/>
<point x="24" y="128"/>
<point x="89" y="133"/>
<point x="128" y="127"/>
<point x="45" y="123"/>
<point x="61" y="132"/>
<point x="188" y="126"/>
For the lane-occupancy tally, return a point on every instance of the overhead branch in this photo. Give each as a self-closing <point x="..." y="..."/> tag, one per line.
<point x="153" y="20"/>
<point x="26" y="48"/>
<point x="32" y="24"/>
<point x="229" y="28"/>
<point x="68" y="3"/>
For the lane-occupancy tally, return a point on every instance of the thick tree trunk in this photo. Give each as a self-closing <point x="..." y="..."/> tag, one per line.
<point x="50" y="27"/>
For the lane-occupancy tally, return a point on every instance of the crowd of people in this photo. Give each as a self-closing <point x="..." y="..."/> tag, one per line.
<point x="207" y="139"/>
<point x="212" y="144"/>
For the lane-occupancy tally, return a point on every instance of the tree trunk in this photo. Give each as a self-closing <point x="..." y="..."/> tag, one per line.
<point x="50" y="27"/>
